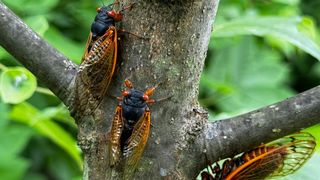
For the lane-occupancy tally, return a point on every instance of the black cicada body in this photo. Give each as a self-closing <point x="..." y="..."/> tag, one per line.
<point x="130" y="128"/>
<point x="105" y="18"/>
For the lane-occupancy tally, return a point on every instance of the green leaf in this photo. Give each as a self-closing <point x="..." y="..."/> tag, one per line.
<point x="34" y="176"/>
<point x="61" y="168"/>
<point x="295" y="30"/>
<point x="3" y="115"/>
<point x="12" y="168"/>
<point x="17" y="85"/>
<point x="71" y="49"/>
<point x="287" y="2"/>
<point x="14" y="138"/>
<point x="60" y="113"/>
<point x="243" y="83"/>
<point x="3" y="53"/>
<point x="48" y="128"/>
<point x="307" y="27"/>
<point x="38" y="23"/>
<point x="32" y="6"/>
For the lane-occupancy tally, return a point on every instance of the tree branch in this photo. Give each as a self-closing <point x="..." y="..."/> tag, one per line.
<point x="226" y="138"/>
<point x="44" y="61"/>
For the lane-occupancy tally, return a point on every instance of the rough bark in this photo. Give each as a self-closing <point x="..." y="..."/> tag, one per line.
<point x="173" y="55"/>
<point x="178" y="33"/>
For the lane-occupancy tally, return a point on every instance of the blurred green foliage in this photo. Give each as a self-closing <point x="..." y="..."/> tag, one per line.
<point x="260" y="52"/>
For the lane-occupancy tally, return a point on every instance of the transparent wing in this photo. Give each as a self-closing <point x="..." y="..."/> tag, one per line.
<point x="95" y="73"/>
<point x="88" y="47"/>
<point x="136" y="143"/>
<point x="278" y="158"/>
<point x="114" y="148"/>
<point x="299" y="148"/>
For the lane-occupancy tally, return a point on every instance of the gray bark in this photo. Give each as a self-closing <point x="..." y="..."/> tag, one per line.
<point x="178" y="33"/>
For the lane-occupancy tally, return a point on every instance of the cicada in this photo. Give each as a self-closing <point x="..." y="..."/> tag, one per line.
<point x="130" y="128"/>
<point x="278" y="158"/>
<point x="99" y="61"/>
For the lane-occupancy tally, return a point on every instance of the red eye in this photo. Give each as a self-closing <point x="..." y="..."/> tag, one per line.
<point x="98" y="9"/>
<point x="145" y="97"/>
<point x="111" y="13"/>
<point x="125" y="93"/>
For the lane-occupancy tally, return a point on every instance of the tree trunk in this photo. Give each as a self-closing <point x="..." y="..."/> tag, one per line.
<point x="176" y="36"/>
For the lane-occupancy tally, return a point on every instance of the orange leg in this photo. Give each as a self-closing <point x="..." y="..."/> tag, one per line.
<point x="128" y="84"/>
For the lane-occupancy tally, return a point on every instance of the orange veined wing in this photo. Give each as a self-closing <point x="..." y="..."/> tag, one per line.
<point x="114" y="147"/>
<point x="95" y="73"/>
<point x="278" y="158"/>
<point x="88" y="47"/>
<point x="300" y="147"/>
<point x="136" y="143"/>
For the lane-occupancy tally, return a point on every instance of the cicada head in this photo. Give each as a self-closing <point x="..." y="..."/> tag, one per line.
<point x="105" y="18"/>
<point x="117" y="16"/>
<point x="135" y="98"/>
<point x="135" y="102"/>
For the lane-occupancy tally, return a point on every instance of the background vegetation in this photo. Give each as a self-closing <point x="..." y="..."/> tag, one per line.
<point x="260" y="52"/>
